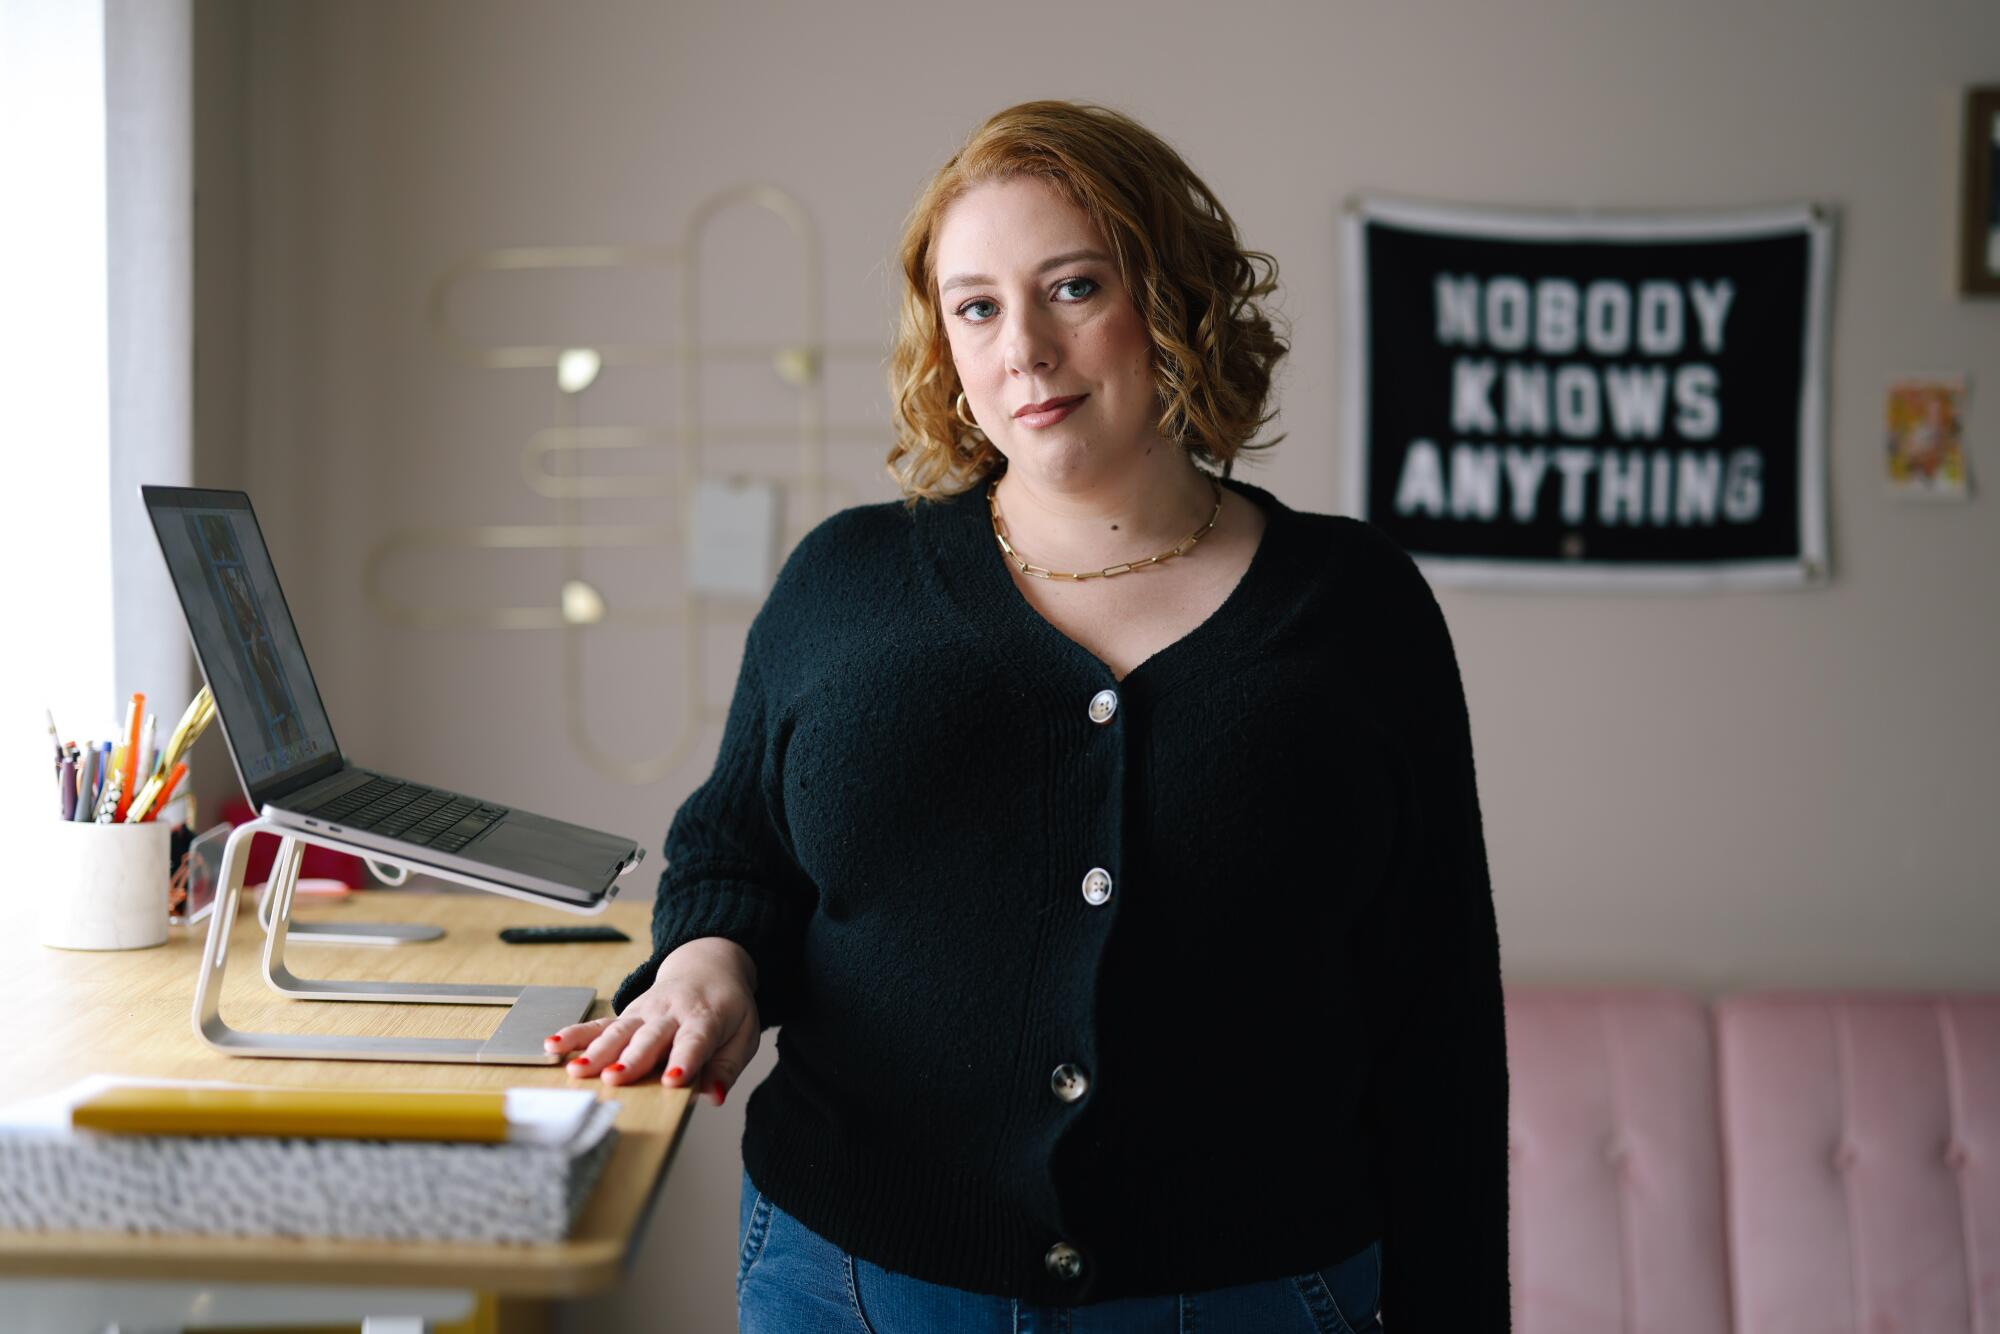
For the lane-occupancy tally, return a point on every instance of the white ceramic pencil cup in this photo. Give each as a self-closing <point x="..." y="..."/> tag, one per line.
<point x="101" y="886"/>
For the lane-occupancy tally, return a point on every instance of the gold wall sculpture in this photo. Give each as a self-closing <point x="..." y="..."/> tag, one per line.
<point x="548" y="456"/>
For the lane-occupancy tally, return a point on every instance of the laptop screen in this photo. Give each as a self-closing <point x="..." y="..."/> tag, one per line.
<point x="244" y="638"/>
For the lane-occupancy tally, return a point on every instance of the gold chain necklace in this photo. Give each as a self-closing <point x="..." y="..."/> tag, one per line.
<point x="1180" y="548"/>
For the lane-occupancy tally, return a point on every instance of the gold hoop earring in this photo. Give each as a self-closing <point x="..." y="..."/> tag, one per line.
<point x="958" y="411"/>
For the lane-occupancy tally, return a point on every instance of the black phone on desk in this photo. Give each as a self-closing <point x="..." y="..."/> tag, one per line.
<point x="560" y="935"/>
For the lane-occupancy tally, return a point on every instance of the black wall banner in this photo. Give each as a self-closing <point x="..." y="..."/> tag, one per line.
<point x="1587" y="401"/>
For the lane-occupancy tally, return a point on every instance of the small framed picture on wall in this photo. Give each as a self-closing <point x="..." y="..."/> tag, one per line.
<point x="1979" y="246"/>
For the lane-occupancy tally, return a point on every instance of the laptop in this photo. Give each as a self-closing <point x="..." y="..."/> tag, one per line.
<point x="282" y="742"/>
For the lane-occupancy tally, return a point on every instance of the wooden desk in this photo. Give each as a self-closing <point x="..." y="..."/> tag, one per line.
<point x="127" y="1012"/>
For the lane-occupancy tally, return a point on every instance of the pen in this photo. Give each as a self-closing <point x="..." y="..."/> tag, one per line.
<point x="66" y="787"/>
<point x="53" y="734"/>
<point x="86" y="780"/>
<point x="102" y="777"/>
<point x="135" y="714"/>
<point x="148" y="793"/>
<point x="158" y="804"/>
<point x="108" y="804"/>
<point x="145" y="769"/>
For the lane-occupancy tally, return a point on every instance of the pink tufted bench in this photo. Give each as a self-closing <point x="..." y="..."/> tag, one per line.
<point x="1777" y="1163"/>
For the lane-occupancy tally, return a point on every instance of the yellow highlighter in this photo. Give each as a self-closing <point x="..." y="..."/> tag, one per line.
<point x="140" y="1109"/>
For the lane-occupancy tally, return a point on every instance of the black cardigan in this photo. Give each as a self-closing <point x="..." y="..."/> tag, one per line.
<point x="1093" y="988"/>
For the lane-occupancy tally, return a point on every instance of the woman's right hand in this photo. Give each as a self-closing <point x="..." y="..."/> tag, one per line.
<point x="698" y="1020"/>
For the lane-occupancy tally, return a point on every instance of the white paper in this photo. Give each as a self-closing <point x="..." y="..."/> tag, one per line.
<point x="732" y="537"/>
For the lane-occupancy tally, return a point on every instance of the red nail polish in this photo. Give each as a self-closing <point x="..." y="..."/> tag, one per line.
<point x="675" y="1073"/>
<point x="553" y="1037"/>
<point x="618" y="1066"/>
<point x="580" y="1060"/>
<point x="720" y="1093"/>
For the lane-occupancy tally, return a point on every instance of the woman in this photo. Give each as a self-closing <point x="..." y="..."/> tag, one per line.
<point x="1102" y="832"/>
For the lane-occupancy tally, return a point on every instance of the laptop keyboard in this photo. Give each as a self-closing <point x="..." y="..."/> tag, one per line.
<point x="412" y="812"/>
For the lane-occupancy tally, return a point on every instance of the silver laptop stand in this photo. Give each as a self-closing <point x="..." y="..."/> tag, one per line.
<point x="350" y="933"/>
<point x="535" y="1011"/>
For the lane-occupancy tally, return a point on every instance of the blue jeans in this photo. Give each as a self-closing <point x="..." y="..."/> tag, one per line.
<point x="791" y="1280"/>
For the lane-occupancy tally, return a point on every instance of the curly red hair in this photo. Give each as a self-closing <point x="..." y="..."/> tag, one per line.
<point x="1198" y="289"/>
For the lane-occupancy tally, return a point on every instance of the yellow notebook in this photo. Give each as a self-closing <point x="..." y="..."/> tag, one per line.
<point x="140" y="1109"/>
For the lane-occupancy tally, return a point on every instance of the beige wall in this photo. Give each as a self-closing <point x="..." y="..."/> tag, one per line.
<point x="1712" y="791"/>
